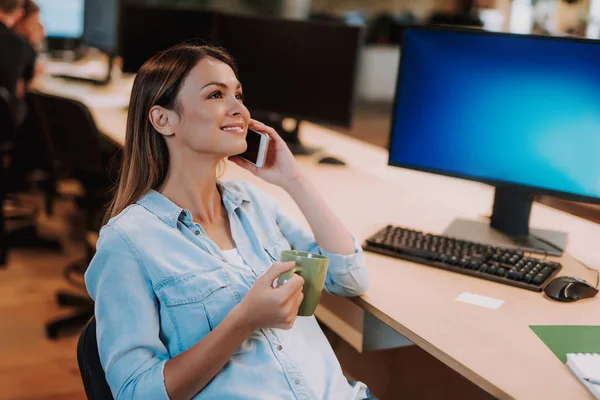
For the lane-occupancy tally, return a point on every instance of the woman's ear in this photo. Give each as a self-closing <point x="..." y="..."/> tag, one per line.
<point x="163" y="120"/>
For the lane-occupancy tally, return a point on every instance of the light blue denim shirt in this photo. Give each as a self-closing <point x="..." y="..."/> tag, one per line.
<point x="160" y="285"/>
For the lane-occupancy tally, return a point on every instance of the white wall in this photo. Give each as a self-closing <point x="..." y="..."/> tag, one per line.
<point x="377" y="73"/>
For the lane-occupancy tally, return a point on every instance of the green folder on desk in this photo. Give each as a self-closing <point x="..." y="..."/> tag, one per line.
<point x="563" y="339"/>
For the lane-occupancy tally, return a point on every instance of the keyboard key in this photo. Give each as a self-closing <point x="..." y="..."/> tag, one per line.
<point x="515" y="274"/>
<point x="539" y="278"/>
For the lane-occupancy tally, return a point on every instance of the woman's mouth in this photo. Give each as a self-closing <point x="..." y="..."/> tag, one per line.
<point x="234" y="128"/>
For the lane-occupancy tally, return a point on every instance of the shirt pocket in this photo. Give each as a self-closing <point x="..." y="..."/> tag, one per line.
<point x="196" y="302"/>
<point x="274" y="245"/>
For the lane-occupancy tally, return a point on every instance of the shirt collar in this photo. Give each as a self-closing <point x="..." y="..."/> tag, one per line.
<point x="169" y="212"/>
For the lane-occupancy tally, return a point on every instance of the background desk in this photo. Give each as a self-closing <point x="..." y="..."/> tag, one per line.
<point x="495" y="349"/>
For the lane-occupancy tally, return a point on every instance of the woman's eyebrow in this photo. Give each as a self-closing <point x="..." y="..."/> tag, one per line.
<point x="221" y="84"/>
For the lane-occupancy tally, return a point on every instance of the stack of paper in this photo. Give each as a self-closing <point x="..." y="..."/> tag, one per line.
<point x="587" y="369"/>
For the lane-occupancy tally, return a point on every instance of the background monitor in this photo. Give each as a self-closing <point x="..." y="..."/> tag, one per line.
<point x="101" y="25"/>
<point x="149" y="29"/>
<point x="62" y="19"/>
<point x="301" y="69"/>
<point x="518" y="112"/>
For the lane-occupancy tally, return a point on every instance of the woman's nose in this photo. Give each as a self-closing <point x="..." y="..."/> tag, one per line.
<point x="236" y="108"/>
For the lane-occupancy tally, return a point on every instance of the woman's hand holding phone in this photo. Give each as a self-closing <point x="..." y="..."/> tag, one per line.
<point x="280" y="166"/>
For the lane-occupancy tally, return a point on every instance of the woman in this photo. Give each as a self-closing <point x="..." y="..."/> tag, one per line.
<point x="182" y="277"/>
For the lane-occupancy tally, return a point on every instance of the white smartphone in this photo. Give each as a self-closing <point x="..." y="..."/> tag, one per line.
<point x="258" y="144"/>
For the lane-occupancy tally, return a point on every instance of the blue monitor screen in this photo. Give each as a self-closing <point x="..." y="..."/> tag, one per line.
<point x="500" y="108"/>
<point x="62" y="18"/>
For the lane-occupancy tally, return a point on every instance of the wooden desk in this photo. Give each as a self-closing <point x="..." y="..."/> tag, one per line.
<point x="495" y="349"/>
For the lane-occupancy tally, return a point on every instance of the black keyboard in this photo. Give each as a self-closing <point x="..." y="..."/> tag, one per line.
<point x="496" y="264"/>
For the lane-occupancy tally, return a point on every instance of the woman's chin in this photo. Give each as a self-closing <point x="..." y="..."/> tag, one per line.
<point x="238" y="149"/>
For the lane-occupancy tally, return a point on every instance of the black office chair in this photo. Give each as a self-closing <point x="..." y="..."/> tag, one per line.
<point x="6" y="134"/>
<point x="92" y="374"/>
<point x="86" y="156"/>
<point x="3" y="235"/>
<point x="34" y="160"/>
<point x="14" y="219"/>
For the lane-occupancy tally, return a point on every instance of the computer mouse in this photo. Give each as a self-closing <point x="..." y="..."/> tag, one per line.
<point x="331" y="160"/>
<point x="568" y="288"/>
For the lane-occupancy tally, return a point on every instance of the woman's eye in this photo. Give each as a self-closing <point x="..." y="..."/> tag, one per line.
<point x="215" y="95"/>
<point x="239" y="96"/>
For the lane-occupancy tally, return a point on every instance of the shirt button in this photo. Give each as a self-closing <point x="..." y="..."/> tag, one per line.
<point x="298" y="381"/>
<point x="280" y="347"/>
<point x="197" y="232"/>
<point x="244" y="245"/>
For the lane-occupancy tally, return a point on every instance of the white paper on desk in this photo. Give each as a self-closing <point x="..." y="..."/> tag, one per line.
<point x="107" y="101"/>
<point x="478" y="300"/>
<point x="586" y="366"/>
<point x="89" y="69"/>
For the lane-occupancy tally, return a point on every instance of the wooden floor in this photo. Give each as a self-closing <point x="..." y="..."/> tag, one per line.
<point x="31" y="366"/>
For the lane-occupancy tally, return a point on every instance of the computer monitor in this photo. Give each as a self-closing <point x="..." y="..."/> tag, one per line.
<point x="519" y="112"/>
<point x="299" y="69"/>
<point x="101" y="25"/>
<point x="63" y="23"/>
<point x="148" y="29"/>
<point x="62" y="19"/>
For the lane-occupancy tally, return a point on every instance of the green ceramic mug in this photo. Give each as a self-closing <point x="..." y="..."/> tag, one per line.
<point x="313" y="269"/>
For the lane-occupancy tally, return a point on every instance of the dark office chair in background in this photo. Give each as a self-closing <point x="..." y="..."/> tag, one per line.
<point x="85" y="155"/>
<point x="35" y="164"/>
<point x="15" y="220"/>
<point x="92" y="374"/>
<point x="6" y="134"/>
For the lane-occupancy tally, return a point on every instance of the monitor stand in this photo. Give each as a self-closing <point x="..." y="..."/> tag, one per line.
<point x="290" y="134"/>
<point x="97" y="82"/>
<point x="509" y="226"/>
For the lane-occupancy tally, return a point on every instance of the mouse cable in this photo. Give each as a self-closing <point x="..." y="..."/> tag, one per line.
<point x="585" y="266"/>
<point x="571" y="256"/>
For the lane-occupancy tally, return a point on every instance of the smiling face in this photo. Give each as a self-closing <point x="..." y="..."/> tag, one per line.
<point x="211" y="118"/>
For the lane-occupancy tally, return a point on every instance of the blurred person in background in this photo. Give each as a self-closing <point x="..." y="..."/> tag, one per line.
<point x="31" y="148"/>
<point x="17" y="59"/>
<point x="29" y="26"/>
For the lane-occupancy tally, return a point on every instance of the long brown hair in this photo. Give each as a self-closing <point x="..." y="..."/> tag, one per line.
<point x="145" y="160"/>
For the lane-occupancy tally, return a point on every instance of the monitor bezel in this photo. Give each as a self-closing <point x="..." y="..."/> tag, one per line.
<point x="494" y="182"/>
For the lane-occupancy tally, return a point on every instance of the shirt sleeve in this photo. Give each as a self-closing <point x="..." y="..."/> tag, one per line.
<point x="347" y="274"/>
<point x="127" y="319"/>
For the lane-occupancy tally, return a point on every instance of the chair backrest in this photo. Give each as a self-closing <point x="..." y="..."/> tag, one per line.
<point x="7" y="131"/>
<point x="92" y="374"/>
<point x="3" y="233"/>
<point x="7" y="121"/>
<point x="73" y="133"/>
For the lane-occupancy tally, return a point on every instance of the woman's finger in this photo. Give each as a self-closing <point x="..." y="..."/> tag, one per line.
<point x="259" y="126"/>
<point x="299" y="299"/>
